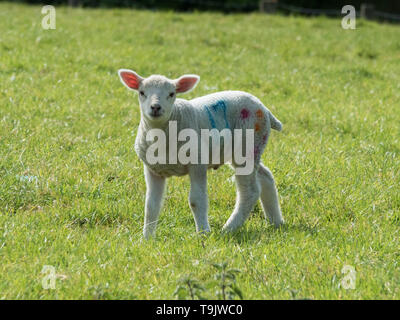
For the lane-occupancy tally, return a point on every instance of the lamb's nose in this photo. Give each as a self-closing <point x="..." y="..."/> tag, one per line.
<point x="155" y="107"/>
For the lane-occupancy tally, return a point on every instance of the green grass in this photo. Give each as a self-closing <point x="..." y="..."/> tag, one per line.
<point x="72" y="188"/>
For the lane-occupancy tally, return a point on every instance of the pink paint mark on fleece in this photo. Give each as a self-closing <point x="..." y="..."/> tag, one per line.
<point x="265" y="138"/>
<point x="244" y="113"/>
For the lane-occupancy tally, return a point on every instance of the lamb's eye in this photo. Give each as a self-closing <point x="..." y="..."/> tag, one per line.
<point x="171" y="94"/>
<point x="142" y="93"/>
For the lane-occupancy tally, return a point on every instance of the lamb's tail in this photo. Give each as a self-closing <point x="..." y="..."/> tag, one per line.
<point x="275" y="123"/>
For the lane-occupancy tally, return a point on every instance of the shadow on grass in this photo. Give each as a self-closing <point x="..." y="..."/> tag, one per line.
<point x="269" y="233"/>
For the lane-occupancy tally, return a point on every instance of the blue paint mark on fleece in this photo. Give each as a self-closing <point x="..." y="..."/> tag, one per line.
<point x="210" y="117"/>
<point x="219" y="105"/>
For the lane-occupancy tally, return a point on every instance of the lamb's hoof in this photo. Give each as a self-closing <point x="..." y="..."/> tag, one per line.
<point x="228" y="228"/>
<point x="279" y="224"/>
<point x="204" y="231"/>
<point x="148" y="235"/>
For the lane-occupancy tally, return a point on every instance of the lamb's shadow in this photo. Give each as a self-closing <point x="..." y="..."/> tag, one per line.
<point x="248" y="235"/>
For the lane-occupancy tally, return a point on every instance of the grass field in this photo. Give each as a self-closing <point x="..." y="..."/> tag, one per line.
<point x="72" y="188"/>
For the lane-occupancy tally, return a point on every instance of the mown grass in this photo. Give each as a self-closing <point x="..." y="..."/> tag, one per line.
<point x="72" y="188"/>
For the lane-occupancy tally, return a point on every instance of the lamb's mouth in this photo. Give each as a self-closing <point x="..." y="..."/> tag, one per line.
<point x="155" y="115"/>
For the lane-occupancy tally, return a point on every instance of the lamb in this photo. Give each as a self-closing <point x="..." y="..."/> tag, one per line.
<point x="227" y="110"/>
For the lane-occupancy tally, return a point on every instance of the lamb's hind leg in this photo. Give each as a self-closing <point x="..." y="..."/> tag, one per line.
<point x="269" y="196"/>
<point x="248" y="192"/>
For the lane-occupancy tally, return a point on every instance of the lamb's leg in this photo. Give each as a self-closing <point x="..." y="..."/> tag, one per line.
<point x="269" y="196"/>
<point x="198" y="198"/>
<point x="154" y="196"/>
<point x="248" y="192"/>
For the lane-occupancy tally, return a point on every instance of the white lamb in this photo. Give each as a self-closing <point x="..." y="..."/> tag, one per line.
<point x="222" y="110"/>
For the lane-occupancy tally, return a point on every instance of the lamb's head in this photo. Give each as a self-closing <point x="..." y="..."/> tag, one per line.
<point x="157" y="93"/>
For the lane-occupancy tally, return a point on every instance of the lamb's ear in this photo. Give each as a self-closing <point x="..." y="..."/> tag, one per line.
<point x="130" y="79"/>
<point x="186" y="83"/>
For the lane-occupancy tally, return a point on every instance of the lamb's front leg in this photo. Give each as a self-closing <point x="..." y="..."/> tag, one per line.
<point x="198" y="197"/>
<point x="154" y="197"/>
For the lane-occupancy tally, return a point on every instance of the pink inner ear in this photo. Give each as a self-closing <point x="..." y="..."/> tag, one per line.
<point x="130" y="80"/>
<point x="185" y="84"/>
